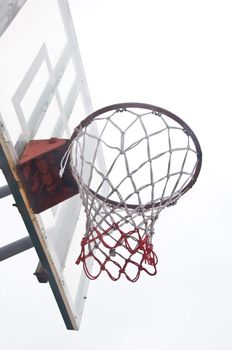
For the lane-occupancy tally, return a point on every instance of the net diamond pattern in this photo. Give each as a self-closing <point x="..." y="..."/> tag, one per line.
<point x="149" y="159"/>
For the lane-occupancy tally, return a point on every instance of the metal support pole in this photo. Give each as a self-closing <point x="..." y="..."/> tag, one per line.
<point x="4" y="191"/>
<point x="15" y="248"/>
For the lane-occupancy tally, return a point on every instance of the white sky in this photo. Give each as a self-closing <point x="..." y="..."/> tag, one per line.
<point x="176" y="55"/>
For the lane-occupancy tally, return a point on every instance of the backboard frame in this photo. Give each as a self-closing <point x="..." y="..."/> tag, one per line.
<point x="71" y="305"/>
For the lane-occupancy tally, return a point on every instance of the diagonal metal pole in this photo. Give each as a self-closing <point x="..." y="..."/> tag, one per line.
<point x="4" y="191"/>
<point x="15" y="248"/>
<point x="20" y="246"/>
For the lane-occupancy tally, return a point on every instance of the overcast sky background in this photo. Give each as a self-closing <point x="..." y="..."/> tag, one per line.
<point x="176" y="55"/>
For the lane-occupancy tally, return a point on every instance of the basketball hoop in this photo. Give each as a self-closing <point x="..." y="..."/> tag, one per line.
<point x="152" y="158"/>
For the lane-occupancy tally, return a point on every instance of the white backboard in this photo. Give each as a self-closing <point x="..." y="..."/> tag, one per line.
<point x="43" y="94"/>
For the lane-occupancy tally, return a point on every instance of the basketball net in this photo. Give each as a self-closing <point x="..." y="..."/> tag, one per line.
<point x="130" y="162"/>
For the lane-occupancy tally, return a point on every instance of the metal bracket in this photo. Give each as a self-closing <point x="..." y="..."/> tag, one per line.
<point x="41" y="274"/>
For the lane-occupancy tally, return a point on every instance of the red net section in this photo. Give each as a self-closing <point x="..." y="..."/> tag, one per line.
<point x="127" y="253"/>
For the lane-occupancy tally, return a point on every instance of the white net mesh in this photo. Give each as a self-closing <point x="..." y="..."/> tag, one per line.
<point x="150" y="160"/>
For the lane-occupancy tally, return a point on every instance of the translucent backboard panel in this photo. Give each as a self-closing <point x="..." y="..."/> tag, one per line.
<point x="44" y="94"/>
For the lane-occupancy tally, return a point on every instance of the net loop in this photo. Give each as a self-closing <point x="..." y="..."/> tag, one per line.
<point x="139" y="256"/>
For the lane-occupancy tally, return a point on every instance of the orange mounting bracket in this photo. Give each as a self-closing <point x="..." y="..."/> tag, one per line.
<point x="39" y="167"/>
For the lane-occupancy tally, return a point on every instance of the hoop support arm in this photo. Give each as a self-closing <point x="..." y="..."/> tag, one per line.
<point x="4" y="191"/>
<point x="15" y="248"/>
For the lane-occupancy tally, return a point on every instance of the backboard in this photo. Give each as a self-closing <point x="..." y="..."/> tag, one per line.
<point x="43" y="94"/>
